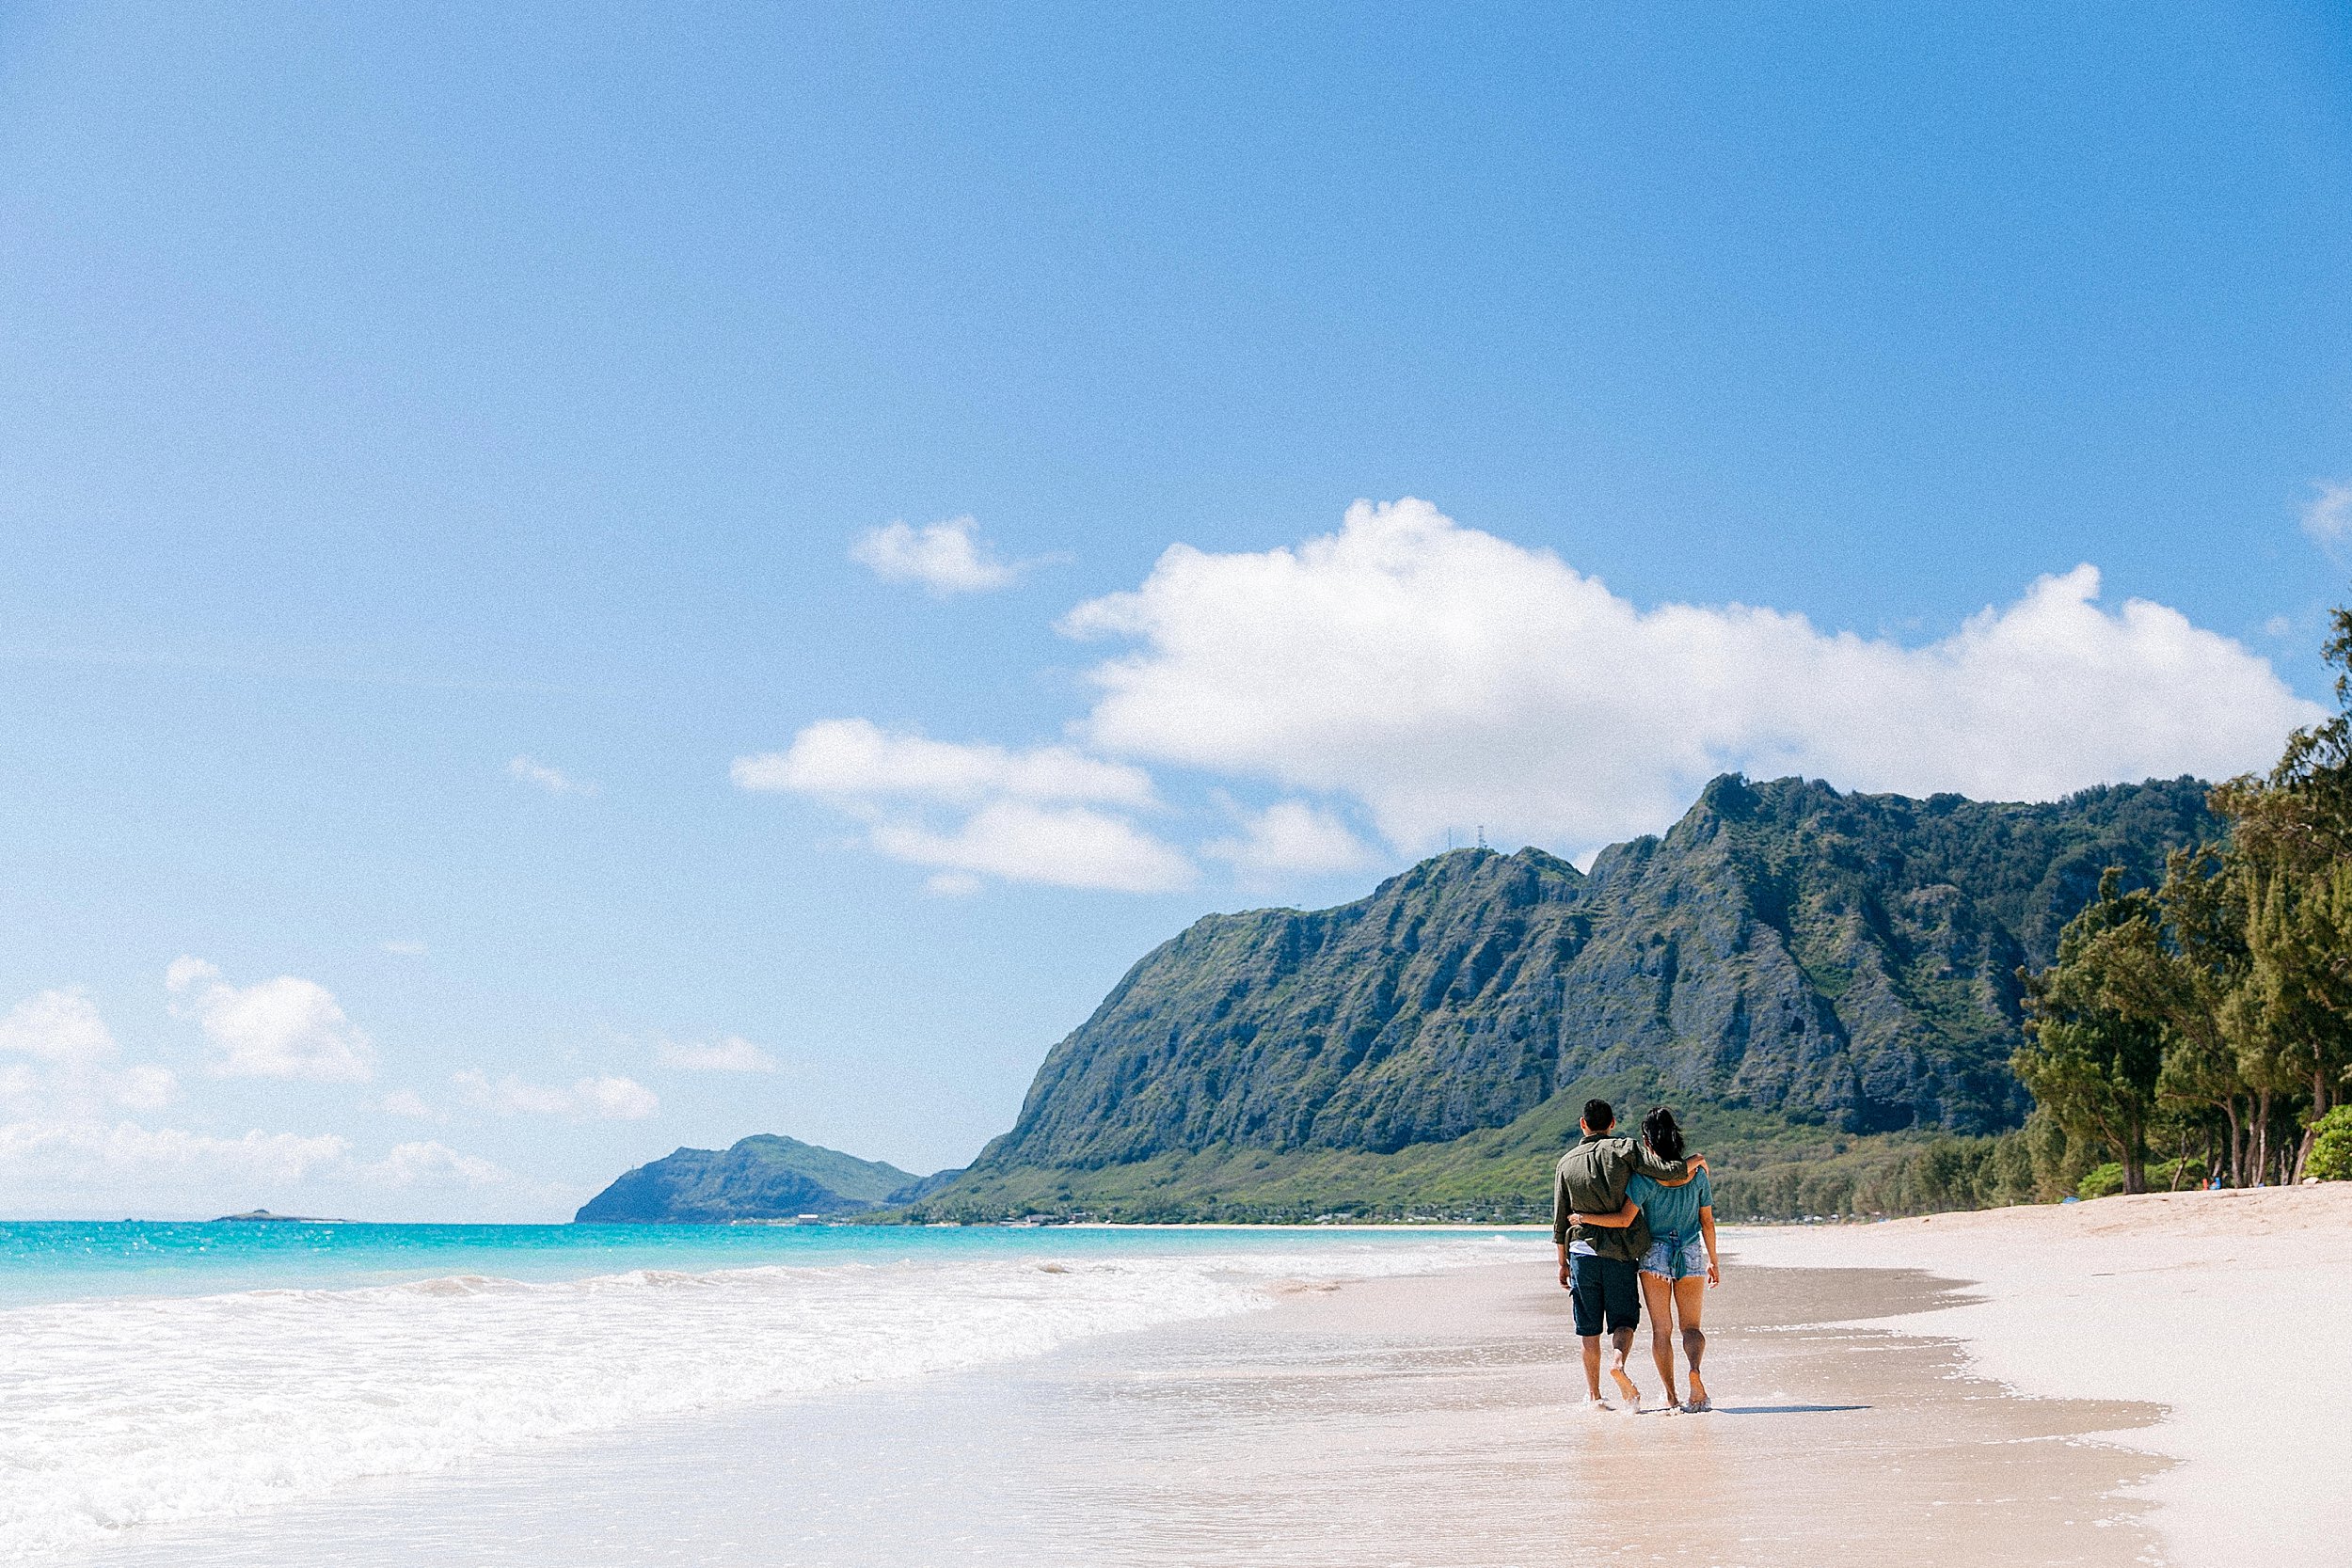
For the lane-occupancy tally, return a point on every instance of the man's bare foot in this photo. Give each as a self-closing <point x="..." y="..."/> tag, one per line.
<point x="1698" y="1395"/>
<point x="1624" y="1387"/>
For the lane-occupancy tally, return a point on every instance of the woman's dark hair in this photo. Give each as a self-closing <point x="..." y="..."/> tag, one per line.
<point x="1661" y="1132"/>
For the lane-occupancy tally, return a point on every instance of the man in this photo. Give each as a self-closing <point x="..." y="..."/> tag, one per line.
<point x="1599" y="1267"/>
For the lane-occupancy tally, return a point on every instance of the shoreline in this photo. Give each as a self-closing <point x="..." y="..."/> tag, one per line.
<point x="1428" y="1420"/>
<point x="2219" y="1307"/>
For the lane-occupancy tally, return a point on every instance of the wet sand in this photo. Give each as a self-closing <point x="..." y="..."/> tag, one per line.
<point x="1424" y="1422"/>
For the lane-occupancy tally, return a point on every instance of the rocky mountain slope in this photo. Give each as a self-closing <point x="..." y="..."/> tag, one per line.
<point x="1839" y="961"/>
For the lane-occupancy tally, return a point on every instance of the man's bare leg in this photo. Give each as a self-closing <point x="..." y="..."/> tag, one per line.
<point x="1592" y="1367"/>
<point x="1624" y="1341"/>
<point x="1690" y="1300"/>
<point x="1658" y="1300"/>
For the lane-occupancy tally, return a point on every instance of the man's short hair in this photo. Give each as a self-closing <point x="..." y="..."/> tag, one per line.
<point x="1598" y="1118"/>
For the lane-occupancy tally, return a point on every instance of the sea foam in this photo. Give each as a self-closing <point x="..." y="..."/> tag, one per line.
<point x="122" y="1411"/>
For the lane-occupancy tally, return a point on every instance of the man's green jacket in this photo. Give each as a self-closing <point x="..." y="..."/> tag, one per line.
<point x="1591" y="1179"/>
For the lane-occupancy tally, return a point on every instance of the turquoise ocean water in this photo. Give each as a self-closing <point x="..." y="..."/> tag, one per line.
<point x="43" y="1262"/>
<point x="155" y="1372"/>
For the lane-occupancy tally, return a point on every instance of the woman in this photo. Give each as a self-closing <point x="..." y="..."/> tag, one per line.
<point x="1681" y="1251"/>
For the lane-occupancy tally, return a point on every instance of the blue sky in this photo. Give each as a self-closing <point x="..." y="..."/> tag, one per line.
<point x="435" y="448"/>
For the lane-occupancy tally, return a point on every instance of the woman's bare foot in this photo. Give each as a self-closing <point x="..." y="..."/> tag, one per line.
<point x="1698" y="1395"/>
<point x="1624" y="1387"/>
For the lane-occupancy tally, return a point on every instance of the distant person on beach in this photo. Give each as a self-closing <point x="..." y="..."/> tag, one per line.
<point x="1599" y="1258"/>
<point x="1682" y="1261"/>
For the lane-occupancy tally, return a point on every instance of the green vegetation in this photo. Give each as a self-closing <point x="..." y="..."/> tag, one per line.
<point x="763" y="1177"/>
<point x="2212" y="1013"/>
<point x="2088" y="1060"/>
<point x="1860" y="1004"/>
<point x="2331" y="1146"/>
<point x="1826" y="985"/>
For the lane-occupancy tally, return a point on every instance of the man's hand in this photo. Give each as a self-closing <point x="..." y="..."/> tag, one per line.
<point x="1714" y="1275"/>
<point x="1691" y="1165"/>
<point x="1563" y="1267"/>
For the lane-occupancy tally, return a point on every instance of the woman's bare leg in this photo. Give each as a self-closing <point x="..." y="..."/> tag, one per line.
<point x="1658" y="1300"/>
<point x="1690" y="1297"/>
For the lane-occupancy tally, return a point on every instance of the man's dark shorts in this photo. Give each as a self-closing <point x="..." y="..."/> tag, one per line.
<point x="1604" y="1289"/>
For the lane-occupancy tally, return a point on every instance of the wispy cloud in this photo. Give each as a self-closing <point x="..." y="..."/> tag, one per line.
<point x="856" y="758"/>
<point x="733" y="1053"/>
<point x="89" y="1151"/>
<point x="553" y="780"/>
<point x="80" y="1159"/>
<point x="2328" y="516"/>
<point x="1074" y="846"/>
<point x="428" y="1164"/>
<point x="1290" y="838"/>
<point x="69" y="1068"/>
<point x="406" y="949"/>
<point x="604" y="1098"/>
<point x="62" y="1027"/>
<point x="946" y="558"/>
<point x="968" y="810"/>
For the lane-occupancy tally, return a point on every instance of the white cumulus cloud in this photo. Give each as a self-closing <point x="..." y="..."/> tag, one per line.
<point x="539" y="776"/>
<point x="427" y="1164"/>
<point x="1443" y="677"/>
<point x="141" y="1087"/>
<point x="1075" y="846"/>
<point x="69" y="1151"/>
<point x="732" y="1055"/>
<point x="406" y="1102"/>
<point x="972" y="810"/>
<point x="61" y="1027"/>
<point x="71" y="1070"/>
<point x="856" y="758"/>
<point x="946" y="558"/>
<point x="599" y="1098"/>
<point x="616" y="1099"/>
<point x="1291" y="838"/>
<point x="281" y="1028"/>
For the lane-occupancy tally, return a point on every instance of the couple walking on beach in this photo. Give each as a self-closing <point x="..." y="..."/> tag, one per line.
<point x="1635" y="1220"/>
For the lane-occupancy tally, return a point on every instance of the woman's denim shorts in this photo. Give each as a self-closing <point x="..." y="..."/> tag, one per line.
<point x="1687" y="1261"/>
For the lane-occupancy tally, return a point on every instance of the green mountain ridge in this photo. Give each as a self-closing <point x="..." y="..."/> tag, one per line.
<point x="1797" y="968"/>
<point x="764" y="1177"/>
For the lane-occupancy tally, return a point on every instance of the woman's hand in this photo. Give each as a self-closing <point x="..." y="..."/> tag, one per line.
<point x="1714" y="1275"/>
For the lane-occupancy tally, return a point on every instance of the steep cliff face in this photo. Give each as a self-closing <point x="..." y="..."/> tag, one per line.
<point x="1843" y="959"/>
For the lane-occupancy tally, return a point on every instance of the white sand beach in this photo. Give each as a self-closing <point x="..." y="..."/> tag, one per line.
<point x="2135" y="1381"/>
<point x="2228" y="1308"/>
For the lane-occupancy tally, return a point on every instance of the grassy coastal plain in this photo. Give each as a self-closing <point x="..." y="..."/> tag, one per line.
<point x="2125" y="1381"/>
